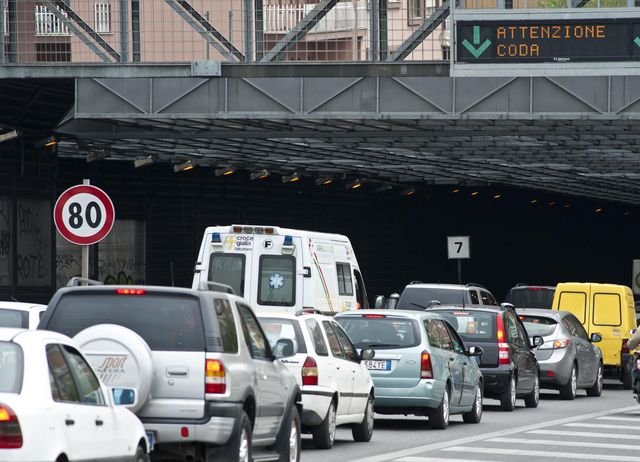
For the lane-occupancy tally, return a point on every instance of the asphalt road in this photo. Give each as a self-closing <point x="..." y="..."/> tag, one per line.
<point x="586" y="429"/>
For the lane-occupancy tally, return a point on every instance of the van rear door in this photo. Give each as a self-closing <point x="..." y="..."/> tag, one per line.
<point x="230" y="262"/>
<point x="607" y="320"/>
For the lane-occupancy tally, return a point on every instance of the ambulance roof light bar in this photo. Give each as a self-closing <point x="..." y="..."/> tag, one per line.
<point x="253" y="229"/>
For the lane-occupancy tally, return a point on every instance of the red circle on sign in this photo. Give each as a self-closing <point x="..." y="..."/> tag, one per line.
<point x="103" y="229"/>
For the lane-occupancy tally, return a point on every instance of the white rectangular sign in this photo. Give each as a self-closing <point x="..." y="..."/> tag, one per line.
<point x="458" y="247"/>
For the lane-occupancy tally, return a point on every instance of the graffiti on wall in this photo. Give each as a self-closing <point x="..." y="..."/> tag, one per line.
<point x="5" y="241"/>
<point x="121" y="256"/>
<point x="33" y="259"/>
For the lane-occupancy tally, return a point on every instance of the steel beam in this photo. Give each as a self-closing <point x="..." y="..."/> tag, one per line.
<point x="300" y="30"/>
<point x="428" y="26"/>
<point x="200" y="24"/>
<point x="82" y="30"/>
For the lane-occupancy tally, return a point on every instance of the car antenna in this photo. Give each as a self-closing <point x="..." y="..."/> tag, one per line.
<point x="463" y="299"/>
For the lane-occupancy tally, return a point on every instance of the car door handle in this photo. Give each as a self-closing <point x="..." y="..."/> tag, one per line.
<point x="69" y="422"/>
<point x="99" y="422"/>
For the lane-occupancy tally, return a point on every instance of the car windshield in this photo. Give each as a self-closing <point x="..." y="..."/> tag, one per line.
<point x="168" y="322"/>
<point x="381" y="331"/>
<point x="11" y="365"/>
<point x="418" y="298"/>
<point x="14" y="318"/>
<point x="538" y="325"/>
<point x="472" y="326"/>
<point x="279" y="328"/>
<point x="530" y="297"/>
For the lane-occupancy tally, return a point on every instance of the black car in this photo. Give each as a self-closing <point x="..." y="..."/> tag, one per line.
<point x="508" y="362"/>
<point x="530" y="296"/>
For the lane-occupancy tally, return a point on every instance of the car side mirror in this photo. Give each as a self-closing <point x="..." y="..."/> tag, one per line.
<point x="380" y="302"/>
<point x="595" y="338"/>
<point x="284" y="348"/>
<point x="475" y="351"/>
<point x="367" y="354"/>
<point x="536" y="341"/>
<point x="124" y="396"/>
<point x="633" y="331"/>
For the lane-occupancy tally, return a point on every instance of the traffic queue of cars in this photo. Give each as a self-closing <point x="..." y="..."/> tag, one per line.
<point x="211" y="375"/>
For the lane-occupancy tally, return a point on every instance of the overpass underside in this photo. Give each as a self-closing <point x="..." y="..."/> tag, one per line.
<point x="389" y="127"/>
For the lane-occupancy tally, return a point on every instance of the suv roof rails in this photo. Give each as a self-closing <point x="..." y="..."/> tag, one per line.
<point x="475" y="284"/>
<point x="216" y="287"/>
<point x="522" y="284"/>
<point x="78" y="281"/>
<point x="416" y="282"/>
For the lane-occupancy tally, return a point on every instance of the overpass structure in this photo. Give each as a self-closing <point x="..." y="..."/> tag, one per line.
<point x="561" y="125"/>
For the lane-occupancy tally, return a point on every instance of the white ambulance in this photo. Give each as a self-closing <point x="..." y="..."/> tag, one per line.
<point x="282" y="269"/>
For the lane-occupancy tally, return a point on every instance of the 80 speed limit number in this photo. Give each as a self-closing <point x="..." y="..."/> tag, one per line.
<point x="84" y="214"/>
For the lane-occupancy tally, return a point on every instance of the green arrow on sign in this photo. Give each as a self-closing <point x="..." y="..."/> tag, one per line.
<point x="637" y="41"/>
<point x="476" y="50"/>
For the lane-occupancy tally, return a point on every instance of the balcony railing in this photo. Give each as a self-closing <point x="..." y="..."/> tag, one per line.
<point x="282" y="18"/>
<point x="48" y="23"/>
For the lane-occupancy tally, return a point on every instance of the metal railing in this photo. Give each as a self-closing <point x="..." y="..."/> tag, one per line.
<point x="47" y="23"/>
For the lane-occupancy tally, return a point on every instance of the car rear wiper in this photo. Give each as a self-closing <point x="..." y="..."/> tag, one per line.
<point x="419" y="306"/>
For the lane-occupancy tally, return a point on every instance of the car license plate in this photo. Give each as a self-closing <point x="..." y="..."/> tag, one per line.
<point x="151" y="439"/>
<point x="378" y="365"/>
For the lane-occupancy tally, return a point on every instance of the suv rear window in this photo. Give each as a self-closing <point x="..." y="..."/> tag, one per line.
<point x="472" y="326"/>
<point x="419" y="298"/>
<point x="11" y="364"/>
<point x="530" y="297"/>
<point x="538" y="325"/>
<point x="381" y="332"/>
<point x="167" y="322"/>
<point x="14" y="318"/>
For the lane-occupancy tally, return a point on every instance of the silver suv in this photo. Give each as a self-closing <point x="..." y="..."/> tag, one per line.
<point x="418" y="295"/>
<point x="208" y="383"/>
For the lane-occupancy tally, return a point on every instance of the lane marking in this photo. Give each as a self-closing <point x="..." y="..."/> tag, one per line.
<point x="585" y="434"/>
<point x="581" y="444"/>
<point x="626" y="419"/>
<point x="590" y="425"/>
<point x="439" y="459"/>
<point x="545" y="454"/>
<point x="471" y="439"/>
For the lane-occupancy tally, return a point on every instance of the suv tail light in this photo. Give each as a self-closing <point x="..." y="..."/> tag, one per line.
<point x="10" y="432"/>
<point x="625" y="347"/>
<point x="503" y="346"/>
<point x="310" y="372"/>
<point x="426" y="372"/>
<point x="215" y="380"/>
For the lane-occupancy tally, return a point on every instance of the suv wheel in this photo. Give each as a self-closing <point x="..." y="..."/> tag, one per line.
<point x="288" y="443"/>
<point x="439" y="417"/>
<point x="569" y="389"/>
<point x="596" y="388"/>
<point x="239" y="447"/>
<point x="475" y="414"/>
<point x="325" y="434"/>
<point x="508" y="398"/>
<point x="363" y="431"/>
<point x="533" y="398"/>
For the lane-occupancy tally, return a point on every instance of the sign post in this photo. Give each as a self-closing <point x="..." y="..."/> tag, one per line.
<point x="84" y="215"/>
<point x="458" y="249"/>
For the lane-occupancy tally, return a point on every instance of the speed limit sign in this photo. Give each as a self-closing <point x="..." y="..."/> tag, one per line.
<point x="84" y="214"/>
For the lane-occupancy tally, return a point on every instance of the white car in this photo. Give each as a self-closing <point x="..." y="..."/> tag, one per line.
<point x="20" y="315"/>
<point x="336" y="388"/>
<point x="54" y="408"/>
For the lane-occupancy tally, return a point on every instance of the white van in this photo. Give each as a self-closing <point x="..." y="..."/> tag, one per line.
<point x="282" y="269"/>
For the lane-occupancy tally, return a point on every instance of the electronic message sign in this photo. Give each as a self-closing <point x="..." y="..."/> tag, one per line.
<point x="570" y="40"/>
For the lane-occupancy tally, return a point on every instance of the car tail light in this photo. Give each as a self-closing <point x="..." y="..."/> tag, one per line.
<point x="215" y="380"/>
<point x="310" y="372"/>
<point x="373" y="316"/>
<point x="625" y="347"/>
<point x="426" y="372"/>
<point x="557" y="344"/>
<point x="10" y="432"/>
<point x="130" y="292"/>
<point x="503" y="347"/>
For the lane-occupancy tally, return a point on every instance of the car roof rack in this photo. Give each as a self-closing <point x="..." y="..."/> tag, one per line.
<point x="475" y="284"/>
<point x="78" y="281"/>
<point x="416" y="282"/>
<point x="216" y="287"/>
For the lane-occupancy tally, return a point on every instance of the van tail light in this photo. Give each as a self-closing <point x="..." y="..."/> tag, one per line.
<point x="310" y="372"/>
<point x="503" y="346"/>
<point x="215" y="379"/>
<point x="10" y="432"/>
<point x="625" y="347"/>
<point x="426" y="371"/>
